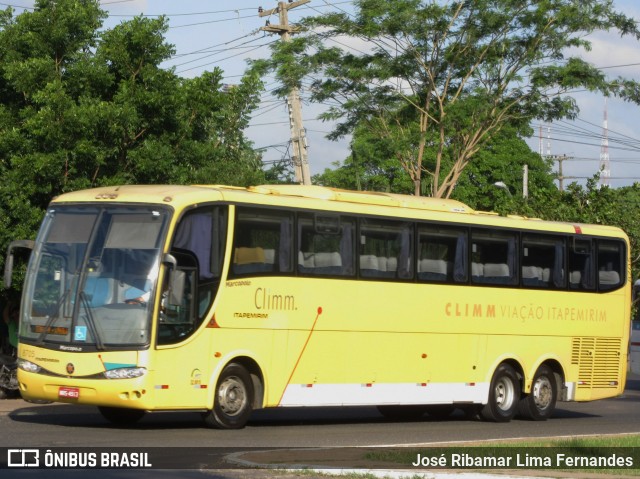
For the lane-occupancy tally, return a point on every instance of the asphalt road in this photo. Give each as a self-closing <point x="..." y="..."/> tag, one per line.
<point x="60" y="425"/>
<point x="24" y="425"/>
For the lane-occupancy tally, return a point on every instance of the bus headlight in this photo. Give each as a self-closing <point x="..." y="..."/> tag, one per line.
<point x="28" y="366"/>
<point x="124" y="373"/>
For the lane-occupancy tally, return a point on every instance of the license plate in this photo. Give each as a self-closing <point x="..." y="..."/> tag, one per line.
<point x="69" y="393"/>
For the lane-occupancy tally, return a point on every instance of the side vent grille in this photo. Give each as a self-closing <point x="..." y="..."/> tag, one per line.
<point x="598" y="361"/>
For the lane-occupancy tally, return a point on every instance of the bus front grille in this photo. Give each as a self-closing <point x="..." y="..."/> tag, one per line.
<point x="598" y="361"/>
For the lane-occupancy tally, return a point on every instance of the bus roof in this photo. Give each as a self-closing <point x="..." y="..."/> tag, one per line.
<point x="168" y="193"/>
<point x="325" y="198"/>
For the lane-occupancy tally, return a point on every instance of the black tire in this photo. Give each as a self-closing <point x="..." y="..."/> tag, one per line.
<point x="233" y="401"/>
<point x="504" y="394"/>
<point x="540" y="403"/>
<point x="402" y="413"/>
<point x="121" y="416"/>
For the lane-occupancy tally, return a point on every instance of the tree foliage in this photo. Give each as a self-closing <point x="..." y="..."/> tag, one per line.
<point x="371" y="166"/>
<point x="82" y="106"/>
<point x="436" y="80"/>
<point x="587" y="204"/>
<point x="496" y="176"/>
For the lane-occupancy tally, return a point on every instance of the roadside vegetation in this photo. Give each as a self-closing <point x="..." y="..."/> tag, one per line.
<point x="439" y="105"/>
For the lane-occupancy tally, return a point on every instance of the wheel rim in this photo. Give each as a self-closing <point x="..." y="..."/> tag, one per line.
<point x="232" y="396"/>
<point x="542" y="393"/>
<point x="505" y="394"/>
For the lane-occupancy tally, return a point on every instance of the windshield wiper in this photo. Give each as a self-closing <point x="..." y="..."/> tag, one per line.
<point x="53" y="317"/>
<point x="91" y="323"/>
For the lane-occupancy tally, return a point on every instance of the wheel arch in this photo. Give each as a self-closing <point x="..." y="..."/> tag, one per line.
<point x="515" y="363"/>
<point x="517" y="366"/>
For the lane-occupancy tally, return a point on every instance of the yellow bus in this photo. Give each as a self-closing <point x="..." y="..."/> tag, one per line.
<point x="225" y="300"/>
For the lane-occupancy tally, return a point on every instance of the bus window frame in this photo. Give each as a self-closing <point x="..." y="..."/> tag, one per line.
<point x="467" y="230"/>
<point x="284" y="253"/>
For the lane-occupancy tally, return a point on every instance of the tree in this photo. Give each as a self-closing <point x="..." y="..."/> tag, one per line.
<point x="437" y="79"/>
<point x="371" y="166"/>
<point x="494" y="179"/>
<point x="83" y="107"/>
<point x="589" y="204"/>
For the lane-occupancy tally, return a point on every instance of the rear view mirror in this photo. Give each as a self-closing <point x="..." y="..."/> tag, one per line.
<point x="175" y="293"/>
<point x="8" y="264"/>
<point x="176" y="287"/>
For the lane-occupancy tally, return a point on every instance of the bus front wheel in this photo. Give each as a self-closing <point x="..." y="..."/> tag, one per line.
<point x="539" y="404"/>
<point x="504" y="394"/>
<point x="233" y="402"/>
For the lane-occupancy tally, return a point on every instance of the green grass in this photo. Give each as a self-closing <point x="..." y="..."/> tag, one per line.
<point x="631" y="440"/>
<point x="616" y="447"/>
<point x="590" y="448"/>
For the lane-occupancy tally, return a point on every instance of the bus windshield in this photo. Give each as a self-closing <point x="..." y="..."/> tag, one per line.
<point x="92" y="276"/>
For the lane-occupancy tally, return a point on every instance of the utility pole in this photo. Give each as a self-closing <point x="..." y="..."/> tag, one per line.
<point x="605" y="165"/>
<point x="561" y="177"/>
<point x="298" y="133"/>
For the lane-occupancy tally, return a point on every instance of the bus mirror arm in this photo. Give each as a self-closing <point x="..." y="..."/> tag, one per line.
<point x="8" y="264"/>
<point x="170" y="261"/>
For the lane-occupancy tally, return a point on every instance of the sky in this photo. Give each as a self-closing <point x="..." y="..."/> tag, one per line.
<point x="212" y="33"/>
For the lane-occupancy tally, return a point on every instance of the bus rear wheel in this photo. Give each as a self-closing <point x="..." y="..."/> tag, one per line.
<point x="120" y="415"/>
<point x="540" y="403"/>
<point x="233" y="401"/>
<point x="504" y="394"/>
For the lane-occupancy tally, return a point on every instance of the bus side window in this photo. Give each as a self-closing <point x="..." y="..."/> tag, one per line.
<point x="441" y="254"/>
<point x="581" y="264"/>
<point x="493" y="257"/>
<point x="610" y="264"/>
<point x="542" y="261"/>
<point x="326" y="245"/>
<point x="385" y="249"/>
<point x="262" y="242"/>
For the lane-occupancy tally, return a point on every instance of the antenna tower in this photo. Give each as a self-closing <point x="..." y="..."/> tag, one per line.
<point x="541" y="147"/>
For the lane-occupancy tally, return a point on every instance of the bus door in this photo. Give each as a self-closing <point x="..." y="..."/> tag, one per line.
<point x="181" y="362"/>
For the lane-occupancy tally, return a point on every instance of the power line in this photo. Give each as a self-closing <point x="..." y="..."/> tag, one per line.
<point x="17" y="6"/>
<point x="222" y="59"/>
<point x="116" y="1"/>
<point x="282" y="122"/>
<point x="155" y="15"/>
<point x="210" y="22"/>
<point x="207" y="49"/>
<point x="247" y="49"/>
